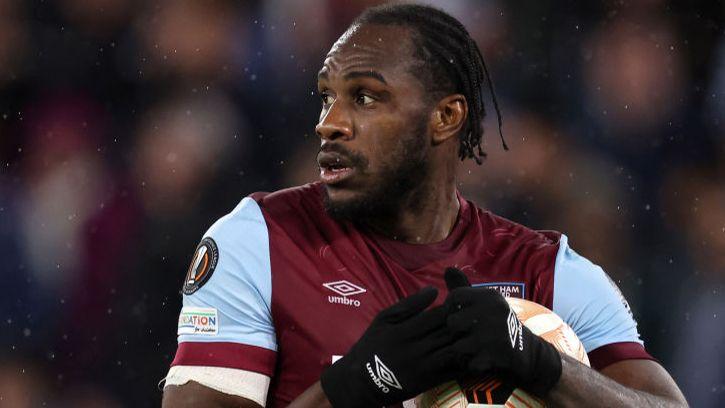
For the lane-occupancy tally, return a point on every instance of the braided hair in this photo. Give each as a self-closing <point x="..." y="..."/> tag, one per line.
<point x="452" y="60"/>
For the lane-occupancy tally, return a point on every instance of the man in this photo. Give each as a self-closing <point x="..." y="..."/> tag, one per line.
<point x="291" y="282"/>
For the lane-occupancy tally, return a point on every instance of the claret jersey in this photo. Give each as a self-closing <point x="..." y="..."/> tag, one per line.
<point x="278" y="288"/>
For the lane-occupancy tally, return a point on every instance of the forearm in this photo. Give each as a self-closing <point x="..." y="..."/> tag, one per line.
<point x="580" y="385"/>
<point x="312" y="397"/>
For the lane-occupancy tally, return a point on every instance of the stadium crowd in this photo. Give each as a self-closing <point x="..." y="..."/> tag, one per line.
<point x="128" y="127"/>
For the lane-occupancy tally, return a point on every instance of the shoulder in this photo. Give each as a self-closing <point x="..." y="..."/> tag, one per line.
<point x="524" y="247"/>
<point x="590" y="302"/>
<point x="246" y="213"/>
<point x="233" y="253"/>
<point x="258" y="209"/>
<point x="229" y="278"/>
<point x="577" y="279"/>
<point x="514" y="252"/>
<point x="294" y="212"/>
<point x="290" y="200"/>
<point x="510" y="233"/>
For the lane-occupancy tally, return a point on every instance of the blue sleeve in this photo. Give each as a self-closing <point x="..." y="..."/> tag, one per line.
<point x="234" y="303"/>
<point x="590" y="302"/>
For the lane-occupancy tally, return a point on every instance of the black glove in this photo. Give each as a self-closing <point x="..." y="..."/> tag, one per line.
<point x="406" y="350"/>
<point x="494" y="340"/>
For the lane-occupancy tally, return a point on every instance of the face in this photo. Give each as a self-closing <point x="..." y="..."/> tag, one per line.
<point x="373" y="124"/>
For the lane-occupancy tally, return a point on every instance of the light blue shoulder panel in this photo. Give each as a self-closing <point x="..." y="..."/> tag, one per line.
<point x="239" y="290"/>
<point x="590" y="302"/>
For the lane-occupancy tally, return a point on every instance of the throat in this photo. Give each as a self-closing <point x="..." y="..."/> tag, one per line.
<point x="422" y="222"/>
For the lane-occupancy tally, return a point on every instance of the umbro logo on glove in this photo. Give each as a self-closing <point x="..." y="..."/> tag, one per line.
<point x="491" y="338"/>
<point x="384" y="376"/>
<point x="515" y="330"/>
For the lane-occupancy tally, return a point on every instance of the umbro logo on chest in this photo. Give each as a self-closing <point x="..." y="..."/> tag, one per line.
<point x="346" y="292"/>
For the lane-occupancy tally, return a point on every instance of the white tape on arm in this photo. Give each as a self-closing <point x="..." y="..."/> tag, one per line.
<point x="246" y="384"/>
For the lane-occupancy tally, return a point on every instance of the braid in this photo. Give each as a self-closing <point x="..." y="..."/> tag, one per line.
<point x="453" y="61"/>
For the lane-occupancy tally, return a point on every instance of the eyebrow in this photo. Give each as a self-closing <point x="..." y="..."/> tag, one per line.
<point x="356" y="74"/>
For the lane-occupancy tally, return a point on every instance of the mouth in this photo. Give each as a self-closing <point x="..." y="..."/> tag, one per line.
<point x="335" y="175"/>
<point x="334" y="168"/>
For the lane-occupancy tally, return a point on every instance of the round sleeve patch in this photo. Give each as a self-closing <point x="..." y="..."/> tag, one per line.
<point x="202" y="265"/>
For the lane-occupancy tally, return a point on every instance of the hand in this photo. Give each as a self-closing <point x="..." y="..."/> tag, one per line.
<point x="406" y="350"/>
<point x="492" y="339"/>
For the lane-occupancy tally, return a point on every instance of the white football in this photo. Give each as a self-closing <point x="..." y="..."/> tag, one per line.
<point x="492" y="392"/>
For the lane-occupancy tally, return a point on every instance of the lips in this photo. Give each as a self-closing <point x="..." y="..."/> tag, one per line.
<point x="334" y="168"/>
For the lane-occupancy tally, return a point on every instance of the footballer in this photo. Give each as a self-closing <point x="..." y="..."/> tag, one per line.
<point x="380" y="281"/>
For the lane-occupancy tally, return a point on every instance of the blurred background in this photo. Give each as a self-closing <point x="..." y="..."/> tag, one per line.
<point x="127" y="127"/>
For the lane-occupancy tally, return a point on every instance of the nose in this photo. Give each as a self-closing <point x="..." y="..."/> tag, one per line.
<point x="334" y="124"/>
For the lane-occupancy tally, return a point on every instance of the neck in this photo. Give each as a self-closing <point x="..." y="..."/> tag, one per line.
<point x="427" y="215"/>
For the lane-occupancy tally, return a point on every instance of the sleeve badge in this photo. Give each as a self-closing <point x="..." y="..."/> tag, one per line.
<point x="202" y="266"/>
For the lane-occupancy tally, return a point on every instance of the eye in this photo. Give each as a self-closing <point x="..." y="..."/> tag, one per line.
<point x="364" y="100"/>
<point x="326" y="98"/>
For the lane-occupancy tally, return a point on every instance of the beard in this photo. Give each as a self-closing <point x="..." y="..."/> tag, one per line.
<point x="396" y="186"/>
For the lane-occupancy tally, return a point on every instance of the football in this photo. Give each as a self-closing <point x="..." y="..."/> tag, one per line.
<point x="492" y="392"/>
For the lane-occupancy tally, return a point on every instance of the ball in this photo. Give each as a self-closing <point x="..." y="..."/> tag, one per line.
<point x="491" y="391"/>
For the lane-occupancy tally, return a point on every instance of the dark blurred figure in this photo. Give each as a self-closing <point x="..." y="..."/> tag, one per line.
<point x="696" y="201"/>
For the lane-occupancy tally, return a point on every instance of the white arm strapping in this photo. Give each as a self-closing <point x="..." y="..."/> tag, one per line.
<point x="246" y="384"/>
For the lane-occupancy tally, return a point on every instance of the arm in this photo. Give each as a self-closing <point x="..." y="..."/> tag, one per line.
<point x="227" y="342"/>
<point x="193" y="394"/>
<point x="640" y="383"/>
<point x="312" y="397"/>
<point x="537" y="367"/>
<point x="593" y="306"/>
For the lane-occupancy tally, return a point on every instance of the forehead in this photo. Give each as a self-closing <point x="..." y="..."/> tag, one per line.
<point x="365" y="47"/>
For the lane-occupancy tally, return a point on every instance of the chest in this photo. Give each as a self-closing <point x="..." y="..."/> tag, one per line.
<point x="326" y="294"/>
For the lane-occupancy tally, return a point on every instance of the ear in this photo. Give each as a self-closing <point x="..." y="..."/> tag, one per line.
<point x="448" y="117"/>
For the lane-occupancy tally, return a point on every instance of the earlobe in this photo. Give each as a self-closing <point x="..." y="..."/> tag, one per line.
<point x="449" y="117"/>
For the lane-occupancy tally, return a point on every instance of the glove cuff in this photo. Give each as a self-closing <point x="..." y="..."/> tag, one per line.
<point x="333" y="385"/>
<point x="345" y="388"/>
<point x="546" y="367"/>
